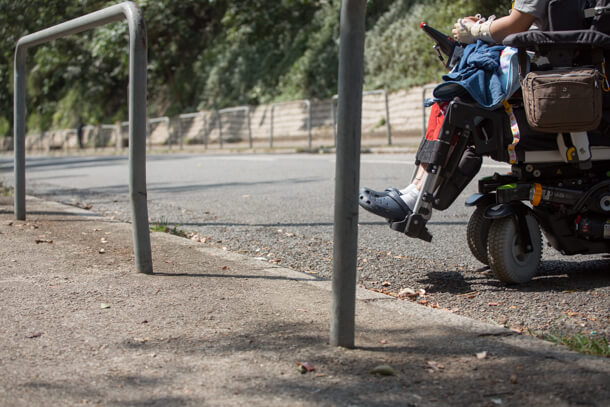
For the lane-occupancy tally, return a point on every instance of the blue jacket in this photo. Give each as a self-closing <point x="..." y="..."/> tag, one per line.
<point x="477" y="74"/>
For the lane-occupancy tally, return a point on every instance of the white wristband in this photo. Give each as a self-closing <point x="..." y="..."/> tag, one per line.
<point x="482" y="32"/>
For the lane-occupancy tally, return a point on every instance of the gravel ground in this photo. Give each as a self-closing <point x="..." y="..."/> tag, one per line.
<point x="569" y="296"/>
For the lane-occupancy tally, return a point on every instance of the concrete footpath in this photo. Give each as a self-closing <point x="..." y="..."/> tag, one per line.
<point x="213" y="328"/>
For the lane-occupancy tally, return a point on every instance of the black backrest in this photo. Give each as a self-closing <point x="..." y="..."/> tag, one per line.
<point x="567" y="15"/>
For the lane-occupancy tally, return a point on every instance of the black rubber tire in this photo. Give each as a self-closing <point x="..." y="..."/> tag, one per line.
<point x="506" y="260"/>
<point x="477" y="234"/>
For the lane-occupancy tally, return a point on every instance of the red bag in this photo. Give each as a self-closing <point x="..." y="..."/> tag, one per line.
<point x="435" y="121"/>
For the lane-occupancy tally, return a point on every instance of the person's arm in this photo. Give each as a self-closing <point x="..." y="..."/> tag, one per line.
<point x="515" y="22"/>
<point x="467" y="30"/>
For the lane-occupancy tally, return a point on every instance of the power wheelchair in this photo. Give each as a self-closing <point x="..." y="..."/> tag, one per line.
<point x="559" y="183"/>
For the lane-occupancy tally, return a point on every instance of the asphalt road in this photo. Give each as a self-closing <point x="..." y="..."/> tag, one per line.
<point x="280" y="207"/>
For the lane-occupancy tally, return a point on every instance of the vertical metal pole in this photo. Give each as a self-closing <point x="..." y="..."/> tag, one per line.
<point x="180" y="131"/>
<point x="206" y="131"/>
<point x="423" y="112"/>
<point x="19" y="132"/>
<point x="308" y="105"/>
<point x="169" y="135"/>
<point x="249" y="127"/>
<point x="271" y="127"/>
<point x="423" y="108"/>
<point x="219" y="128"/>
<point x="137" y="137"/>
<point x="351" y="72"/>
<point x="118" y="142"/>
<point x="149" y="135"/>
<point x="334" y="119"/>
<point x="387" y="118"/>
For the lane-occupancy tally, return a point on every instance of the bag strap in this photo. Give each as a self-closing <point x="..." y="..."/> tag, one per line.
<point x="514" y="129"/>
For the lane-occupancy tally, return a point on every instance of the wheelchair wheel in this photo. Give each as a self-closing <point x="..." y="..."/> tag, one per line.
<point x="507" y="260"/>
<point x="477" y="233"/>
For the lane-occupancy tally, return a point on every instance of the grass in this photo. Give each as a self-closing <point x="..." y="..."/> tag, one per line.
<point x="6" y="191"/>
<point x="589" y="345"/>
<point x="163" y="226"/>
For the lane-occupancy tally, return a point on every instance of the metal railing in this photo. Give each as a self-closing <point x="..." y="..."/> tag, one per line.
<point x="163" y="119"/>
<point x="101" y="141"/>
<point x="137" y="113"/>
<point x="317" y="121"/>
<point x="204" y="135"/>
<point x="388" y="130"/>
<point x="245" y="109"/>
<point x="307" y="104"/>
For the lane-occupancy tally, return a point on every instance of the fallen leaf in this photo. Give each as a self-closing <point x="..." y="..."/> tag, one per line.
<point x="305" y="367"/>
<point x="469" y="295"/>
<point x="383" y="370"/>
<point x="423" y="302"/>
<point x="481" y="355"/>
<point x="104" y="305"/>
<point x="517" y="329"/>
<point x="407" y="293"/>
<point x="493" y="304"/>
<point x="38" y="241"/>
<point x="435" y="366"/>
<point x="224" y="267"/>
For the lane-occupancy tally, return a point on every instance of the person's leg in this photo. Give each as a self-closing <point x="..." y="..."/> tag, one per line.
<point x="411" y="191"/>
<point x="397" y="204"/>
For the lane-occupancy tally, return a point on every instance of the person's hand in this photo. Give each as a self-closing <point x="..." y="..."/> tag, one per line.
<point x="469" y="29"/>
<point x="462" y="29"/>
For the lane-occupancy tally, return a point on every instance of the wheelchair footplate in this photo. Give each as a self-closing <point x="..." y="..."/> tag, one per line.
<point x="414" y="225"/>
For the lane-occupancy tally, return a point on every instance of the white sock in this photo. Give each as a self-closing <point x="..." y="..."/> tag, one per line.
<point x="409" y="195"/>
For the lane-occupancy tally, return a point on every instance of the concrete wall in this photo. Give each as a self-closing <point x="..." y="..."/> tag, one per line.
<point x="289" y="125"/>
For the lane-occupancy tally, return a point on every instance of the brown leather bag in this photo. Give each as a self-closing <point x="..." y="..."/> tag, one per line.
<point x="563" y="100"/>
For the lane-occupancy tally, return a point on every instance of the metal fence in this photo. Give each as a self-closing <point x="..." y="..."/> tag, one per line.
<point x="286" y="123"/>
<point x="385" y="118"/>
